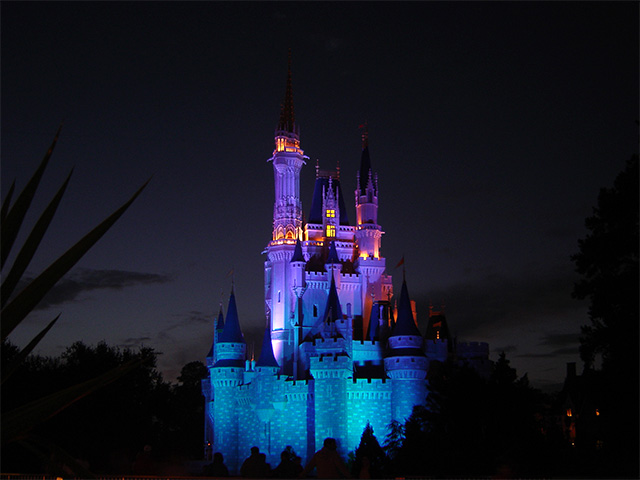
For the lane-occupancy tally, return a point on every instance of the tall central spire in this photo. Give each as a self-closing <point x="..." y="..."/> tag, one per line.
<point x="287" y="115"/>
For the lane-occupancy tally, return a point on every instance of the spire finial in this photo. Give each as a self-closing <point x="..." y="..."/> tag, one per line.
<point x="365" y="134"/>
<point x="287" y="117"/>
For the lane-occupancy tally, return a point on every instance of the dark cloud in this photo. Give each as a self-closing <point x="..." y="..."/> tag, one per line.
<point x="186" y="320"/>
<point x="560" y="340"/>
<point x="134" y="342"/>
<point x="505" y="349"/>
<point x="84" y="280"/>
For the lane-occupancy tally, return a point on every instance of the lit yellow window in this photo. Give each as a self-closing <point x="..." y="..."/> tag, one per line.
<point x="331" y="230"/>
<point x="569" y="412"/>
<point x="331" y="213"/>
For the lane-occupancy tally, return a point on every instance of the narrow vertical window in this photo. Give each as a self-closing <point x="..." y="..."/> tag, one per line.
<point x="279" y="296"/>
<point x="315" y="310"/>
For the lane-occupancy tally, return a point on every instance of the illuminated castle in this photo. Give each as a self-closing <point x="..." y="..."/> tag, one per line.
<point x="338" y="350"/>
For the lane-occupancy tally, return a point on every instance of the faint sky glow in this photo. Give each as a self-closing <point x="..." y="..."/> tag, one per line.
<point x="492" y="126"/>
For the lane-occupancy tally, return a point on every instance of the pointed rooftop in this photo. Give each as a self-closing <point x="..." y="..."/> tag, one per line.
<point x="365" y="161"/>
<point x="322" y="183"/>
<point x="287" y="115"/>
<point x="231" y="332"/>
<point x="219" y="326"/>
<point x="333" y="311"/>
<point x="297" y="253"/>
<point x="220" y="320"/>
<point x="373" y="332"/>
<point x="267" y="358"/>
<point x="405" y="323"/>
<point x="333" y="254"/>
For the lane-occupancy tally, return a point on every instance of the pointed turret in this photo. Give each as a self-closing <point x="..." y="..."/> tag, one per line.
<point x="287" y="115"/>
<point x="405" y="323"/>
<point x="333" y="254"/>
<point x="374" y="323"/>
<point x="297" y="253"/>
<point x="406" y="361"/>
<point x="267" y="360"/>
<point x="232" y="332"/>
<point x="217" y="330"/>
<point x="365" y="162"/>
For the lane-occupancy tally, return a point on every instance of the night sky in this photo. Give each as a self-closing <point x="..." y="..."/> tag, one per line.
<point x="492" y="127"/>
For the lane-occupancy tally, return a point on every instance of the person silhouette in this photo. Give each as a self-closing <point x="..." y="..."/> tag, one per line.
<point x="251" y="467"/>
<point x="327" y="462"/>
<point x="217" y="468"/>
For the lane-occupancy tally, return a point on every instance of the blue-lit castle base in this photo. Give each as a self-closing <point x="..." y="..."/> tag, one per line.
<point x="340" y="350"/>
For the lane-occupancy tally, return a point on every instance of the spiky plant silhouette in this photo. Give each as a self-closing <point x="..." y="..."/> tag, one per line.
<point x="17" y="424"/>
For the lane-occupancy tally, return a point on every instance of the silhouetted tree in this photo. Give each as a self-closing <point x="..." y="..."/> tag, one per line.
<point x="103" y="431"/>
<point x="374" y="453"/>
<point x="608" y="264"/>
<point x="474" y="426"/>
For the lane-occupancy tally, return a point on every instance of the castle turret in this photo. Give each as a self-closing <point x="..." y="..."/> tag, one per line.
<point x="227" y="374"/>
<point x="370" y="264"/>
<point x="287" y="160"/>
<point x="406" y="363"/>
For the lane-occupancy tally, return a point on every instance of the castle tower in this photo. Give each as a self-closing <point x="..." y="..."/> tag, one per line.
<point x="218" y="326"/>
<point x="287" y="160"/>
<point x="226" y="374"/>
<point x="406" y="363"/>
<point x="331" y="367"/>
<point x="368" y="234"/>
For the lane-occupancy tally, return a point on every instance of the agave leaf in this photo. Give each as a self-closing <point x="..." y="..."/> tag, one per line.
<point x="30" y="246"/>
<point x="17" y="361"/>
<point x="13" y="313"/>
<point x="17" y="423"/>
<point x="13" y="221"/>
<point x="7" y="202"/>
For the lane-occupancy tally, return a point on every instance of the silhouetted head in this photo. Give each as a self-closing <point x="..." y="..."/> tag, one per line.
<point x="255" y="450"/>
<point x="330" y="443"/>
<point x="218" y="458"/>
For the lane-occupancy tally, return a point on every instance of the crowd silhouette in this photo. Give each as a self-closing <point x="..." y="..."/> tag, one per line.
<point x="326" y="461"/>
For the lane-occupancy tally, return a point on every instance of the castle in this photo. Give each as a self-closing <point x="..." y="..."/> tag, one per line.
<point x="339" y="351"/>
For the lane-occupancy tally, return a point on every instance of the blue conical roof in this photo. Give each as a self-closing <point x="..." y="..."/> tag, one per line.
<point x="333" y="311"/>
<point x="333" y="254"/>
<point x="365" y="168"/>
<point x="220" y="322"/>
<point x="219" y="325"/>
<point x="405" y="323"/>
<point x="297" y="253"/>
<point x="373" y="332"/>
<point x="315" y="215"/>
<point x="231" y="332"/>
<point x="267" y="358"/>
